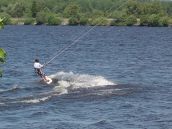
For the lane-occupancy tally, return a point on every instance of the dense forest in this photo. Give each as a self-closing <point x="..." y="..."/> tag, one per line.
<point x="87" y="12"/>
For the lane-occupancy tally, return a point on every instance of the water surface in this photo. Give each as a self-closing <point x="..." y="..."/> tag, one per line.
<point x="113" y="78"/>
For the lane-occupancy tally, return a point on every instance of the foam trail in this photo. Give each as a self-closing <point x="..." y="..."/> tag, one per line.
<point x="76" y="81"/>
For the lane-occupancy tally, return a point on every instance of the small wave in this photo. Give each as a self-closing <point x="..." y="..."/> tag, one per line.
<point x="36" y="100"/>
<point x="42" y="97"/>
<point x="2" y="103"/>
<point x="15" y="87"/>
<point x="101" y="124"/>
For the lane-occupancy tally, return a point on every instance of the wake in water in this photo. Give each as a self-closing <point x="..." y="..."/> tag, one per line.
<point x="64" y="83"/>
<point x="77" y="81"/>
<point x="84" y="85"/>
<point x="67" y="85"/>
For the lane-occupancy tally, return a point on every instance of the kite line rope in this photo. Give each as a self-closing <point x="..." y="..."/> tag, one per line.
<point x="77" y="39"/>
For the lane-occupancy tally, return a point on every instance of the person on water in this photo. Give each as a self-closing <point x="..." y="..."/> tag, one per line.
<point x="38" y="70"/>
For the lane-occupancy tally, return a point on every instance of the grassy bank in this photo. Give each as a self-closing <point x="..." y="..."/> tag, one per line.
<point x="131" y="21"/>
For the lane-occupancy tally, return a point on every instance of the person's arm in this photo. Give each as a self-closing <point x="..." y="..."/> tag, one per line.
<point x="41" y="66"/>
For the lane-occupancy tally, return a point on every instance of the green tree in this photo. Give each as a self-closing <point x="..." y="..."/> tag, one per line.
<point x="46" y="17"/>
<point x="96" y="14"/>
<point x="41" y="18"/>
<point x="34" y="9"/>
<point x="59" y="8"/>
<point x="2" y="51"/>
<point x="100" y="21"/>
<point x="72" y="10"/>
<point x="29" y="21"/>
<point x="1" y="23"/>
<point x="37" y="6"/>
<point x="131" y="20"/>
<point x="2" y="55"/>
<point x="73" y="21"/>
<point x="163" y="21"/>
<point x="53" y="20"/>
<point x="119" y="19"/>
<point x="2" y="58"/>
<point x="169" y="21"/>
<point x="144" y="20"/>
<point x="167" y="6"/>
<point x="6" y="18"/>
<point x="156" y="8"/>
<point x="133" y="8"/>
<point x="18" y="10"/>
<point x="83" y="20"/>
<point x="86" y="6"/>
<point x="153" y="20"/>
<point x="152" y="8"/>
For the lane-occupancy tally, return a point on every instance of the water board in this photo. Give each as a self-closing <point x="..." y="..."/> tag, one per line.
<point x="49" y="80"/>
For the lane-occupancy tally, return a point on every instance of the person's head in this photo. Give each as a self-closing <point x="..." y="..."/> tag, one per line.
<point x="36" y="60"/>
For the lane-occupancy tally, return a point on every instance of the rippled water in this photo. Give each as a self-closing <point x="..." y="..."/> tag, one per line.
<point x="113" y="78"/>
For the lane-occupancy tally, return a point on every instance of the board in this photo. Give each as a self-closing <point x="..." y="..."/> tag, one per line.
<point x="49" y="80"/>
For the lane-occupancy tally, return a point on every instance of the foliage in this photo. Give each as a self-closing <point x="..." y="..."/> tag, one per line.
<point x="170" y="21"/>
<point x="72" y="10"/>
<point x="54" y="20"/>
<point x="100" y="21"/>
<point x="118" y="19"/>
<point x="6" y="18"/>
<point x="80" y="20"/>
<point x="59" y="9"/>
<point x="29" y="21"/>
<point x="153" y="20"/>
<point x="41" y="18"/>
<point x="2" y="58"/>
<point x="1" y="23"/>
<point x="144" y="20"/>
<point x="96" y="14"/>
<point x="83" y="20"/>
<point x="34" y="9"/>
<point x="17" y="10"/>
<point x="47" y="18"/>
<point x="163" y="21"/>
<point x="133" y="8"/>
<point x="87" y="11"/>
<point x="154" y="8"/>
<point x="167" y="7"/>
<point x="73" y="21"/>
<point x="131" y="20"/>
<point x="2" y="55"/>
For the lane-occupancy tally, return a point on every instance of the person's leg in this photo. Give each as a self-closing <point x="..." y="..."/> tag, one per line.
<point x="41" y="74"/>
<point x="45" y="78"/>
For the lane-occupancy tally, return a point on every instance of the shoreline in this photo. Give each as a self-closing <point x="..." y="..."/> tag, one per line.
<point x="66" y="22"/>
<point x="22" y="24"/>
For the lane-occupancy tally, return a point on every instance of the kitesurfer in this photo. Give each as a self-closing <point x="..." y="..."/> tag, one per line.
<point x="38" y="70"/>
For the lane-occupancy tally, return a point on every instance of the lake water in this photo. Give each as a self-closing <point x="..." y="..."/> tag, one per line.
<point x="113" y="78"/>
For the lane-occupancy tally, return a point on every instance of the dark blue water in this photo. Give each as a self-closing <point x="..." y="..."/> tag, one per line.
<point x="113" y="78"/>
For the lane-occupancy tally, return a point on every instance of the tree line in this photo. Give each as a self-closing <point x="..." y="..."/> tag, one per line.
<point x="87" y="12"/>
